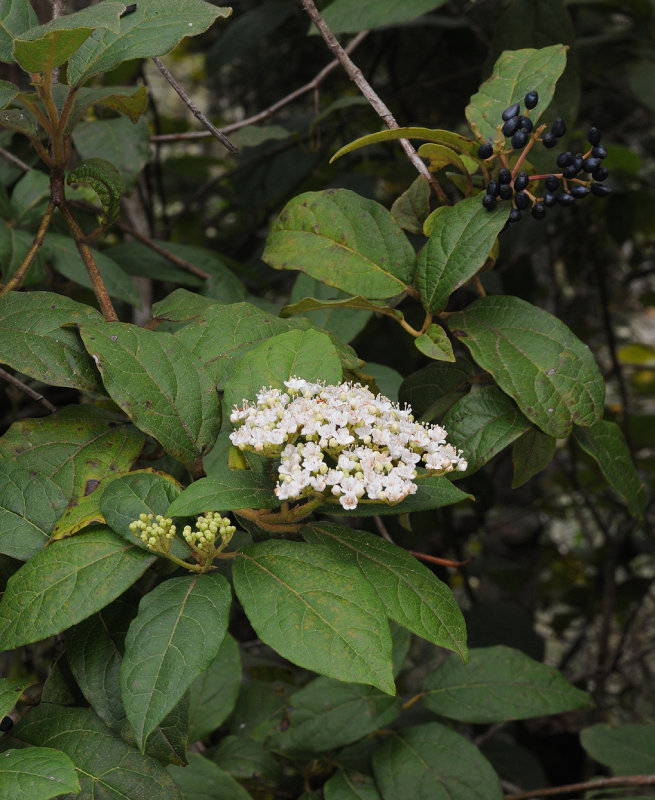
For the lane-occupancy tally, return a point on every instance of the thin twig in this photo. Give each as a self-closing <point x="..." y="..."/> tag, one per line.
<point x="600" y="783"/>
<point x="443" y="562"/>
<point x="179" y="262"/>
<point x="16" y="280"/>
<point x="197" y="113"/>
<point x="13" y="380"/>
<point x="14" y="160"/>
<point x="379" y="524"/>
<point x="355" y="75"/>
<point x="313" y="85"/>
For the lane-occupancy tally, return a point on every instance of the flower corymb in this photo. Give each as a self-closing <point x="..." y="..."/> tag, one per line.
<point x="341" y="440"/>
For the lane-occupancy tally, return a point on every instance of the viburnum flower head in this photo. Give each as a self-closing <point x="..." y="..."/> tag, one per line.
<point x="342" y="441"/>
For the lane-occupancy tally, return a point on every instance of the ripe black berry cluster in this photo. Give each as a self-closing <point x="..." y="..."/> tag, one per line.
<point x="580" y="173"/>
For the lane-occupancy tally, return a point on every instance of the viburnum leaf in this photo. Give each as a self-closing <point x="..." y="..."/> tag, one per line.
<point x="15" y="18"/>
<point x="214" y="692"/>
<point x="342" y="17"/>
<point x="351" y="785"/>
<point x="229" y="491"/>
<point x="532" y="452"/>
<point x="433" y="389"/>
<point x="625" y="749"/>
<point x="10" y="692"/>
<point x="202" y="776"/>
<point x="316" y="610"/>
<point x="36" y="772"/>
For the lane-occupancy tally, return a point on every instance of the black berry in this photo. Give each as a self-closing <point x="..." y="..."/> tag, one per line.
<point x="489" y="202"/>
<point x="504" y="176"/>
<point x="492" y="188"/>
<point x="577" y="161"/>
<point x="519" y="139"/>
<point x="549" y="199"/>
<point x="549" y="140"/>
<point x="564" y="159"/>
<point x="565" y="199"/>
<point x="599" y="151"/>
<point x="525" y="124"/>
<point x="570" y="172"/>
<point x="558" y="128"/>
<point x="521" y="181"/>
<point x="579" y="191"/>
<point x="515" y="215"/>
<point x="538" y="211"/>
<point x="600" y="190"/>
<point x="600" y="174"/>
<point x="6" y="724"/>
<point x="511" y="111"/>
<point x="594" y="136"/>
<point x="485" y="150"/>
<point x="551" y="183"/>
<point x="511" y="126"/>
<point x="505" y="191"/>
<point x="522" y="200"/>
<point x="531" y="99"/>
<point x="590" y="164"/>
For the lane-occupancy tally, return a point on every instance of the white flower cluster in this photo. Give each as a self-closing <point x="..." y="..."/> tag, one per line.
<point x="341" y="440"/>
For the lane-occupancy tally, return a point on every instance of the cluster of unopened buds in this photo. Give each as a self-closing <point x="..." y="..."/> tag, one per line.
<point x="209" y="526"/>
<point x="341" y="441"/>
<point x="578" y="175"/>
<point x="157" y="534"/>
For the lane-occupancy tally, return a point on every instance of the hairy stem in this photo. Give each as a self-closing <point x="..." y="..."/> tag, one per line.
<point x="16" y="280"/>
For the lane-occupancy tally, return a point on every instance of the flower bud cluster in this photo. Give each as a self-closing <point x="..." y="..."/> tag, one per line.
<point x="157" y="535"/>
<point x="342" y="441"/>
<point x="208" y="527"/>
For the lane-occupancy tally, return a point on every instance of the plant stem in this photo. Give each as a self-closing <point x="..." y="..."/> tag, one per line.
<point x="13" y="380"/>
<point x="16" y="280"/>
<point x="601" y="783"/>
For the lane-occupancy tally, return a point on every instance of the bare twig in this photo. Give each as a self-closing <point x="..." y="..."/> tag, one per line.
<point x="179" y="262"/>
<point x="379" y="524"/>
<point x="14" y="160"/>
<point x="443" y="562"/>
<point x="600" y="783"/>
<point x="312" y="85"/>
<point x="13" y="380"/>
<point x="16" y="280"/>
<point x="197" y="113"/>
<point x="355" y="75"/>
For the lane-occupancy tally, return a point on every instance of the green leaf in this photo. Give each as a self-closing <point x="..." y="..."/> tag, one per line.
<point x="105" y="180"/>
<point x="453" y="140"/>
<point x="94" y="651"/>
<point x="127" y="496"/>
<point x="532" y="453"/>
<point x="483" y="423"/>
<point x="65" y="583"/>
<point x="431" y="762"/>
<point x="343" y="17"/>
<point x="343" y="240"/>
<point x="16" y="17"/>
<point x="412" y="207"/>
<point x="221" y="335"/>
<point x="214" y="692"/>
<point x="107" y="767"/>
<point x="434" y="491"/>
<point x="124" y="144"/>
<point x="411" y="594"/>
<point x="627" y="750"/>
<point x="605" y="443"/>
<point x="460" y="242"/>
<point x="327" y="714"/>
<point x="535" y="359"/>
<point x="14" y="246"/>
<point x="45" y="47"/>
<point x="33" y="340"/>
<point x="10" y="692"/>
<point x="434" y="389"/>
<point x="160" y="386"/>
<point x="499" y="684"/>
<point x="261" y="705"/>
<point x="204" y="780"/>
<point x="316" y="610"/>
<point x="36" y="772"/>
<point x="154" y="28"/>
<point x="434" y="343"/>
<point x="310" y="304"/>
<point x="350" y="785"/>
<point x="515" y="73"/>
<point x="77" y="447"/>
<point x="30" y="505"/>
<point x="307" y="354"/>
<point x="129" y="100"/>
<point x="249" y="759"/>
<point x="29" y="197"/>
<point x="174" y="637"/>
<point x="227" y="492"/>
<point x="63" y="254"/>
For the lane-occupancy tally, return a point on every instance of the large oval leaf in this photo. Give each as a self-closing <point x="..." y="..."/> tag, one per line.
<point x="498" y="684"/>
<point x="65" y="583"/>
<point x="343" y="17"/>
<point x="229" y="491"/>
<point x="159" y="384"/>
<point x="412" y="595"/>
<point x="38" y="773"/>
<point x="343" y="240"/>
<point x="515" y="73"/>
<point x="627" y="749"/>
<point x="431" y="762"/>
<point x="317" y="610"/>
<point x="535" y="359"/>
<point x="460" y="242"/>
<point x="174" y="637"/>
<point x="202" y="776"/>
